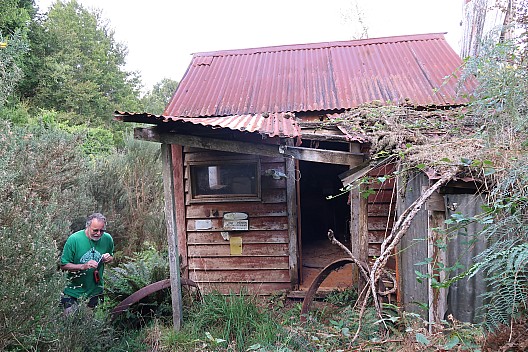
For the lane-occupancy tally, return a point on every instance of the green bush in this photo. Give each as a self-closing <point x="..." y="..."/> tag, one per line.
<point x="40" y="191"/>
<point x="128" y="189"/>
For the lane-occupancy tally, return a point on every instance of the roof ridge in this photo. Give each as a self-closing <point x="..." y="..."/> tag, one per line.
<point x="321" y="45"/>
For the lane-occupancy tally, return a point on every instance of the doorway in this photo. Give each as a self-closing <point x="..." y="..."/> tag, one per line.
<point x="322" y="207"/>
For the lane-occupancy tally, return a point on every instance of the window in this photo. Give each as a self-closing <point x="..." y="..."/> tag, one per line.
<point x="229" y="180"/>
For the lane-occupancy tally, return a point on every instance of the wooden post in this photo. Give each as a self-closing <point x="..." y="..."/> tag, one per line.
<point x="435" y="206"/>
<point x="291" y="192"/>
<point x="358" y="227"/>
<point x="179" y="203"/>
<point x="172" y="235"/>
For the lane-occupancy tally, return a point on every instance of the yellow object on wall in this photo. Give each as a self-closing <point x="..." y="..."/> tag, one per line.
<point x="235" y="244"/>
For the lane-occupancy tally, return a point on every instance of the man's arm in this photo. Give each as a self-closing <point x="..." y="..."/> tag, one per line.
<point x="92" y="264"/>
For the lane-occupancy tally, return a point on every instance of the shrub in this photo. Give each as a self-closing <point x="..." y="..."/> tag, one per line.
<point x="40" y="179"/>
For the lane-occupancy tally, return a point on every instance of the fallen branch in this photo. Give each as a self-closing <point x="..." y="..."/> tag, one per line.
<point x="399" y="229"/>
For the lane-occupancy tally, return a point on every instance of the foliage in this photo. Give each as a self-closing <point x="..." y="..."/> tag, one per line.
<point x="232" y="322"/>
<point x="12" y="48"/>
<point x="155" y="101"/>
<point x="134" y="273"/>
<point x="15" y="15"/>
<point x="40" y="179"/>
<point x="500" y="99"/>
<point x="127" y="186"/>
<point x="79" y="66"/>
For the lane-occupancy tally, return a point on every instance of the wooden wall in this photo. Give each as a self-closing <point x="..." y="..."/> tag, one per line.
<point x="381" y="208"/>
<point x="263" y="266"/>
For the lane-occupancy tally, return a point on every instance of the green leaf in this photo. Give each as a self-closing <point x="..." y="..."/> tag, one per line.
<point x="421" y="338"/>
<point x="465" y="161"/>
<point x="488" y="171"/>
<point x="446" y="160"/>
<point x="421" y="166"/>
<point x="452" y="342"/>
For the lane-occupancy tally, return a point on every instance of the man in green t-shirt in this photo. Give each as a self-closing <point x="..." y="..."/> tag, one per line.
<point x="83" y="257"/>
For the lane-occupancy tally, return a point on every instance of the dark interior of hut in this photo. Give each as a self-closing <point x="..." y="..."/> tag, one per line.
<point x="323" y="206"/>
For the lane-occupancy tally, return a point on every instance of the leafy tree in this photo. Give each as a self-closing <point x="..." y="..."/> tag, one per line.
<point x="156" y="100"/>
<point x="11" y="50"/>
<point x="79" y="67"/>
<point x="16" y="14"/>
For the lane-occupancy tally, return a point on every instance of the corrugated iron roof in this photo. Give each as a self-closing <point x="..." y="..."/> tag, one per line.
<point x="319" y="77"/>
<point x="282" y="125"/>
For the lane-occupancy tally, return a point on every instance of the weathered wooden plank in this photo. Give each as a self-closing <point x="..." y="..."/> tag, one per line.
<point x="387" y="169"/>
<point x="274" y="196"/>
<point x="267" y="249"/>
<point x="172" y="235"/>
<point x="179" y="204"/>
<point x="382" y="196"/>
<point x="379" y="223"/>
<point x="244" y="288"/>
<point x="237" y="262"/>
<point x="240" y="275"/>
<point x="217" y="210"/>
<point x="211" y="155"/>
<point x="152" y="134"/>
<point x="247" y="237"/>
<point x="324" y="156"/>
<point x="263" y="223"/>
<point x="268" y="182"/>
<point x="291" y="192"/>
<point x="380" y="209"/>
<point x="377" y="185"/>
<point x="358" y="226"/>
<point x="377" y="236"/>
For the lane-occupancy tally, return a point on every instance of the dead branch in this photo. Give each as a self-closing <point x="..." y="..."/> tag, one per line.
<point x="401" y="226"/>
<point x="363" y="267"/>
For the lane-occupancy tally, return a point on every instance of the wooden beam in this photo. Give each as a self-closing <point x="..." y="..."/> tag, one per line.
<point x="324" y="156"/>
<point x="358" y="227"/>
<point x="172" y="235"/>
<point x="179" y="204"/>
<point x="152" y="134"/>
<point x="291" y="191"/>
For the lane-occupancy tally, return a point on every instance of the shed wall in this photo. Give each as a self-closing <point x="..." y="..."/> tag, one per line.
<point x="464" y="296"/>
<point x="413" y="247"/>
<point x="263" y="266"/>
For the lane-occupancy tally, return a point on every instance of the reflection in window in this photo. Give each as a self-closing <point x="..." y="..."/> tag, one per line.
<point x="231" y="179"/>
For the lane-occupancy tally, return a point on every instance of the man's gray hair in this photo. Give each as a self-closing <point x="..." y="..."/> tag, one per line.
<point x="97" y="216"/>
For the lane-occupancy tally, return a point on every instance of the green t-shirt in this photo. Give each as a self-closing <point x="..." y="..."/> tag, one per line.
<point x="79" y="249"/>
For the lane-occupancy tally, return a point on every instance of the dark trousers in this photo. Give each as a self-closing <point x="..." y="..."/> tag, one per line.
<point x="68" y="301"/>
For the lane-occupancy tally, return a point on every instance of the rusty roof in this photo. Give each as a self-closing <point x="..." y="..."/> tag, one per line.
<point x="329" y="76"/>
<point x="282" y="125"/>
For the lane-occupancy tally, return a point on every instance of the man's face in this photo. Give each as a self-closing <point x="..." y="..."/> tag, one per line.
<point x="95" y="230"/>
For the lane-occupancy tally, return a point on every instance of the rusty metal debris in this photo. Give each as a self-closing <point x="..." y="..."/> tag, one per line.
<point x="145" y="291"/>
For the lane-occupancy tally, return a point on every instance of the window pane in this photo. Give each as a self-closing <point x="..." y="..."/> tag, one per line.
<point x="225" y="179"/>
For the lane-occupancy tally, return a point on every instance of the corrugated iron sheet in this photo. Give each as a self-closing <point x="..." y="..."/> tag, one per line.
<point x="318" y="77"/>
<point x="282" y="125"/>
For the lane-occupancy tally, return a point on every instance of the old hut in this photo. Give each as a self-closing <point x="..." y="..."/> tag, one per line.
<point x="254" y="155"/>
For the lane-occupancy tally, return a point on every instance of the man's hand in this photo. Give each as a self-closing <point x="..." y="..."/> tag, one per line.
<point x="91" y="264"/>
<point x="107" y="258"/>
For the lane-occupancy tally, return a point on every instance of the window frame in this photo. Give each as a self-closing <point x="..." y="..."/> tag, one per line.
<point x="231" y="197"/>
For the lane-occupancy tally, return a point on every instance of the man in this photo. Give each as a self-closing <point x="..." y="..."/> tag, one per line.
<point x="83" y="257"/>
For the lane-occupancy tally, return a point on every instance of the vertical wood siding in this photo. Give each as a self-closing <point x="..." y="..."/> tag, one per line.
<point x="262" y="267"/>
<point x="413" y="248"/>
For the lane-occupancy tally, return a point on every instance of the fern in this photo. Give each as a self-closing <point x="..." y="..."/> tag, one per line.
<point x="507" y="279"/>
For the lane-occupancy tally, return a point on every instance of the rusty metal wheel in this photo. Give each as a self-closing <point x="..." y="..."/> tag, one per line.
<point x="150" y="289"/>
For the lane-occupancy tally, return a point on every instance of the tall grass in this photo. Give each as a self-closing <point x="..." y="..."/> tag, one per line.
<point x="233" y="322"/>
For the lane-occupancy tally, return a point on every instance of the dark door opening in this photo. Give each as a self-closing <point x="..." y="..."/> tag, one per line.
<point x="318" y="214"/>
